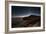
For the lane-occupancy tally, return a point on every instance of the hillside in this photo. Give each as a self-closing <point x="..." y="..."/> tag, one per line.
<point x="30" y="21"/>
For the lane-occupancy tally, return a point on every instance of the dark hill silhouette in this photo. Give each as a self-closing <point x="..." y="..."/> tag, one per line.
<point x="30" y="21"/>
<point x="31" y="17"/>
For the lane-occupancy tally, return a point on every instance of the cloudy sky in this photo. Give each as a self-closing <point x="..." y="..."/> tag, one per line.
<point x="25" y="11"/>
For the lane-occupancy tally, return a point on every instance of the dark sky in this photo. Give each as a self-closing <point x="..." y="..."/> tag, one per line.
<point x="23" y="11"/>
